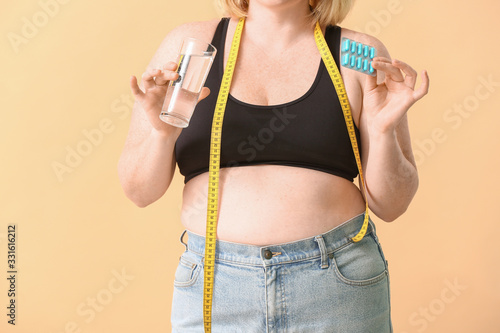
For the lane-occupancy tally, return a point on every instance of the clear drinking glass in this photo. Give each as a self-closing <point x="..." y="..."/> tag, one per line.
<point x="195" y="60"/>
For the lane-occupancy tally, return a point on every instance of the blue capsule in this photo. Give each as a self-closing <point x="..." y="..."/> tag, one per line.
<point x="359" y="63"/>
<point x="365" y="65"/>
<point x="345" y="46"/>
<point x="366" y="51"/>
<point x="353" y="47"/>
<point x="353" y="61"/>
<point x="345" y="60"/>
<point x="360" y="49"/>
<point x="372" y="53"/>
<point x="372" y="70"/>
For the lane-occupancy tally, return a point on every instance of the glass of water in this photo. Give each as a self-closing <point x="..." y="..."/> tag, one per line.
<point x="194" y="62"/>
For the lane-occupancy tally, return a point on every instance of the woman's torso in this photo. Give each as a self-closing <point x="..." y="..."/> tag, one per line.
<point x="269" y="204"/>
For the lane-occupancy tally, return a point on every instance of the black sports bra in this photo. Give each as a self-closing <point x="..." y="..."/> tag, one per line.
<point x="309" y="132"/>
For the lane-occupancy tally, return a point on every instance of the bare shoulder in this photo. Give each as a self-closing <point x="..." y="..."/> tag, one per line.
<point x="169" y="47"/>
<point x="203" y="30"/>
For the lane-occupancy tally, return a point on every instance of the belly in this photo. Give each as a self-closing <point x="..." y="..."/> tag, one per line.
<point x="271" y="204"/>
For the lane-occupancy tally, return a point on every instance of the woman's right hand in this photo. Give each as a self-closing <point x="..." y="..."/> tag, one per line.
<point x="156" y="82"/>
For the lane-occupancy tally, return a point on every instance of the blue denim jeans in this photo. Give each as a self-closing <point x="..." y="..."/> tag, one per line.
<point x="324" y="283"/>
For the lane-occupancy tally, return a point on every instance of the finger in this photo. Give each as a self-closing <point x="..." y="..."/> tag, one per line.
<point x="136" y="91"/>
<point x="170" y="66"/>
<point x="370" y="82"/>
<point x="148" y="78"/>
<point x="424" y="87"/>
<point x="389" y="69"/>
<point x="410" y="73"/>
<point x="164" y="77"/>
<point x="204" y="93"/>
<point x="382" y="59"/>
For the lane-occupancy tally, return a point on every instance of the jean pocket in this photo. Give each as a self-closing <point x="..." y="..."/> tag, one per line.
<point x="187" y="271"/>
<point x="361" y="263"/>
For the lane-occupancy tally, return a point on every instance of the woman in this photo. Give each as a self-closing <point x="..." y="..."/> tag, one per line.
<point x="288" y="207"/>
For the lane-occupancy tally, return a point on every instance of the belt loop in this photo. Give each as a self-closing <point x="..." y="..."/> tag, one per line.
<point x="322" y="249"/>
<point x="182" y="241"/>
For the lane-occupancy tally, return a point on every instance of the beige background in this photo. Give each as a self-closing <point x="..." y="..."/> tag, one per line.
<point x="77" y="231"/>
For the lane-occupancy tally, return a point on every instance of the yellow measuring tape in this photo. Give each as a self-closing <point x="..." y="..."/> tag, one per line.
<point x="331" y="66"/>
<point x="215" y="148"/>
<point x="213" y="181"/>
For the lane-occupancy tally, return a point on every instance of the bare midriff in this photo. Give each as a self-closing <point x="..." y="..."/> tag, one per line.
<point x="272" y="204"/>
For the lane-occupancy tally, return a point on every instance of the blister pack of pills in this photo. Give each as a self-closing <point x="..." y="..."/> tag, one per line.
<point x="357" y="56"/>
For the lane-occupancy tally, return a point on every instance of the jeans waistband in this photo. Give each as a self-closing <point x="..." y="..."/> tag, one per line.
<point x="299" y="250"/>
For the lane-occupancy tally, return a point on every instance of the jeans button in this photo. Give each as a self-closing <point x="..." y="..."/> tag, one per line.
<point x="268" y="254"/>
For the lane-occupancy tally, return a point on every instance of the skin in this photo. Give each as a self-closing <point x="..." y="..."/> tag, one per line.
<point x="269" y="204"/>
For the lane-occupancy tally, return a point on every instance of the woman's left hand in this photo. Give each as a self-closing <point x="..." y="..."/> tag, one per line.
<point x="386" y="103"/>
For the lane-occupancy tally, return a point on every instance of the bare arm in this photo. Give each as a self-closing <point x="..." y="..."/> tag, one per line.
<point x="390" y="171"/>
<point x="147" y="163"/>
